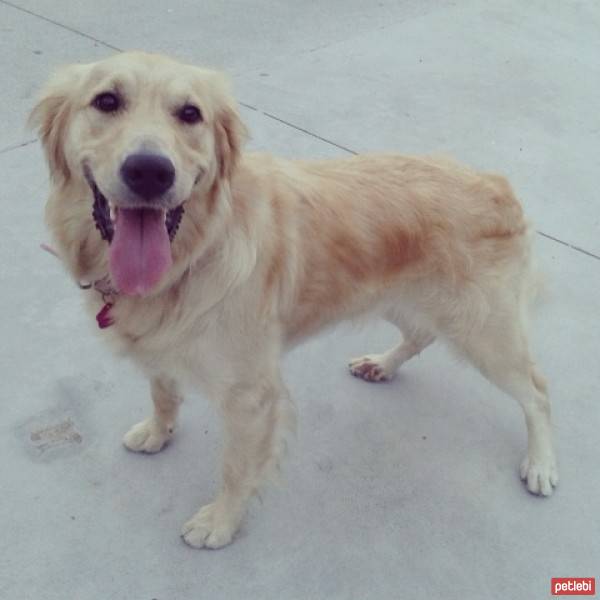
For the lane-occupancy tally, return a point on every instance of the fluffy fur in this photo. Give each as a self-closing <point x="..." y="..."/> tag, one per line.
<point x="271" y="251"/>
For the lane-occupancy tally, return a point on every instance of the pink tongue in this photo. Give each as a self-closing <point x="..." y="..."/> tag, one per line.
<point x="140" y="252"/>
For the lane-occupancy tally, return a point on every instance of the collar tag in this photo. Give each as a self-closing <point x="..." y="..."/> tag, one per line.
<point x="109" y="293"/>
<point x="104" y="317"/>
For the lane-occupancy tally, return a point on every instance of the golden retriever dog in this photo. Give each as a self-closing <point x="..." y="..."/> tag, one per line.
<point x="206" y="263"/>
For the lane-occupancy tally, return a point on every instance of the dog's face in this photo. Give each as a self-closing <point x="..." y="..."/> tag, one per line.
<point x="146" y="133"/>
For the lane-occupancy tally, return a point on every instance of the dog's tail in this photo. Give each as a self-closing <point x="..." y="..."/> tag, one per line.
<point x="535" y="282"/>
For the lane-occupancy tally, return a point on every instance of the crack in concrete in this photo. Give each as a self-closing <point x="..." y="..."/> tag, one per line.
<point x="568" y="245"/>
<point x="16" y="146"/>
<point x="71" y="29"/>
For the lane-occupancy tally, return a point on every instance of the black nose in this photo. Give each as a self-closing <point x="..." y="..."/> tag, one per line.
<point x="148" y="175"/>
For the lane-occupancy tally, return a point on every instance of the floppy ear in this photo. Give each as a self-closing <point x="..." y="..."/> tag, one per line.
<point x="230" y="135"/>
<point x="49" y="117"/>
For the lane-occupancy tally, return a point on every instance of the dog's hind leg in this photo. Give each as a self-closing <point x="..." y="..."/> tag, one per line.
<point x="499" y="349"/>
<point x="383" y="367"/>
<point x="154" y="432"/>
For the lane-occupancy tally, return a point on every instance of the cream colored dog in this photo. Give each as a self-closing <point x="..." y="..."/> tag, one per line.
<point x="208" y="263"/>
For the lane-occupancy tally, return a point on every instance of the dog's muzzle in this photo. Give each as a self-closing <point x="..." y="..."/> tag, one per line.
<point x="101" y="208"/>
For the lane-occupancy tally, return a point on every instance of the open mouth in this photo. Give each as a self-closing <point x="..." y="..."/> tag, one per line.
<point x="139" y="238"/>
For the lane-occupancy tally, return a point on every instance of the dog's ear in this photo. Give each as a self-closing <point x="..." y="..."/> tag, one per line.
<point x="230" y="135"/>
<point x="50" y="115"/>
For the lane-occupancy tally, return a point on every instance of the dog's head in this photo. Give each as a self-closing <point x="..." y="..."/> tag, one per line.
<point x="148" y="135"/>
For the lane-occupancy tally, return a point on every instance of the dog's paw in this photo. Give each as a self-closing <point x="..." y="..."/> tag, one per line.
<point x="210" y="527"/>
<point x="371" y="368"/>
<point x="540" y="476"/>
<point x="146" y="436"/>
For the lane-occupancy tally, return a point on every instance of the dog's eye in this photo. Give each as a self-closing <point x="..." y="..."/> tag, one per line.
<point x="189" y="114"/>
<point x="107" y="102"/>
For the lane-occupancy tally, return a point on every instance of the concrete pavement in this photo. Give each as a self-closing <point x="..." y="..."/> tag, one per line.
<point x="403" y="490"/>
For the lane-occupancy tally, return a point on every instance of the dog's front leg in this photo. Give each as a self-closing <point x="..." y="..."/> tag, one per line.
<point x="255" y="416"/>
<point x="154" y="432"/>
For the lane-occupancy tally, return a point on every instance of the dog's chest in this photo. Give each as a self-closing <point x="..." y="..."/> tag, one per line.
<point x="200" y="351"/>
